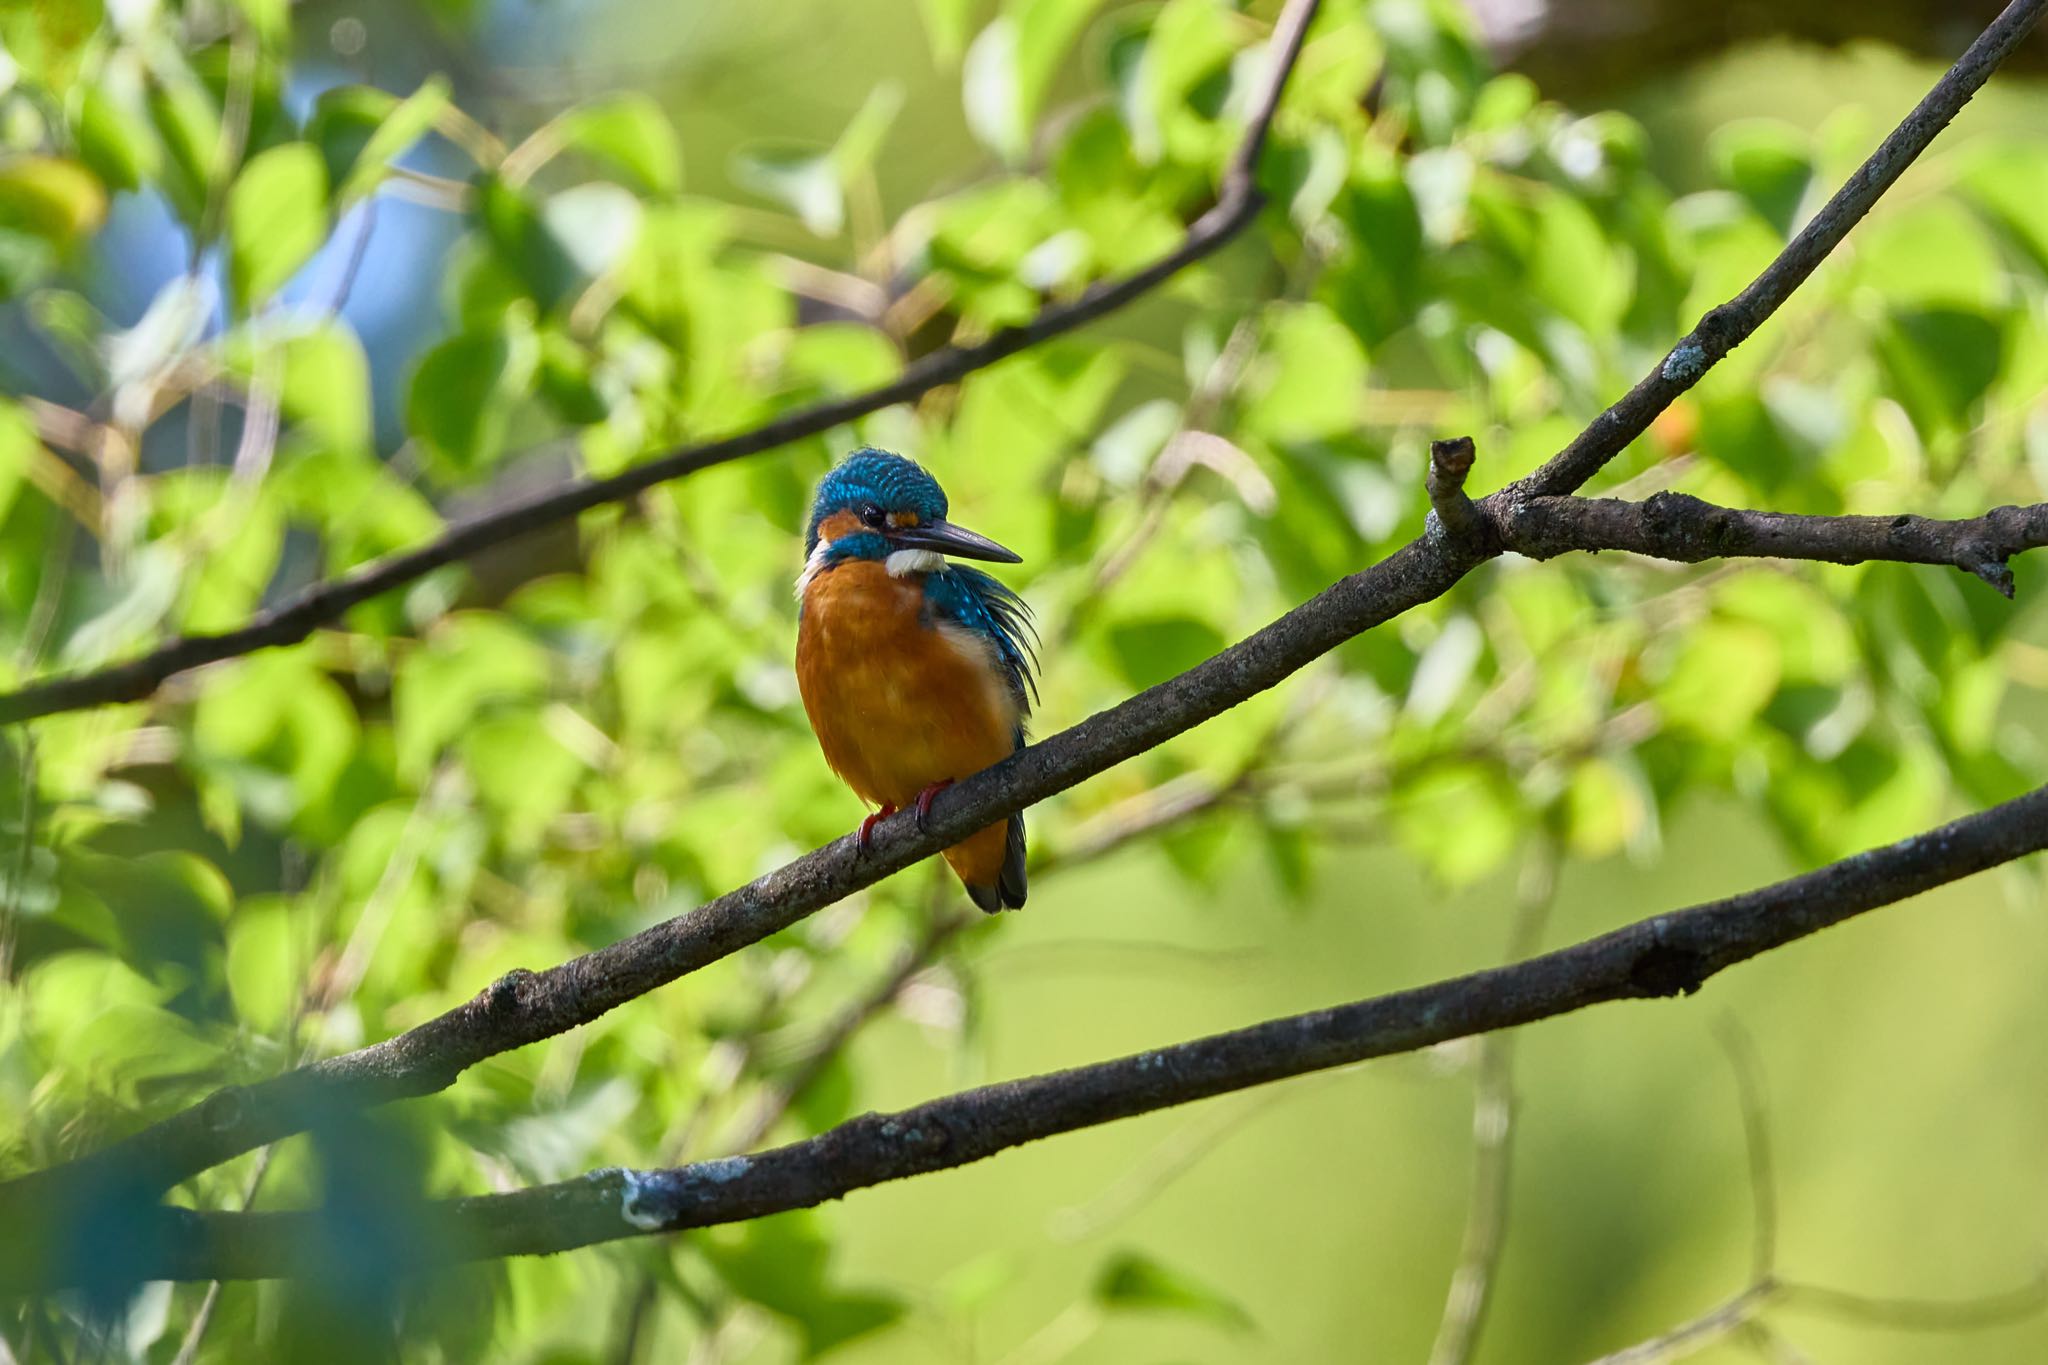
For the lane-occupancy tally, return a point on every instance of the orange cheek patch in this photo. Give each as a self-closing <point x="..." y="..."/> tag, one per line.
<point x="899" y="520"/>
<point x="837" y="525"/>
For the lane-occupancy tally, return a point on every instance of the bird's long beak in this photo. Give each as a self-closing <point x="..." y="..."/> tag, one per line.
<point x="949" y="539"/>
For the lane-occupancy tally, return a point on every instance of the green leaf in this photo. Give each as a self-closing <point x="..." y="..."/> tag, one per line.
<point x="457" y="403"/>
<point x="19" y="446"/>
<point x="57" y="200"/>
<point x="2000" y="180"/>
<point x="596" y="225"/>
<point x="860" y="143"/>
<point x="1941" y="362"/>
<point x="631" y="132"/>
<point x="565" y="381"/>
<point x="559" y="1141"/>
<point x="1934" y="254"/>
<point x="527" y="246"/>
<point x="1311" y="378"/>
<point x="991" y="95"/>
<point x="278" y="734"/>
<point x="522" y="773"/>
<point x="1768" y="164"/>
<point x="360" y="130"/>
<point x="803" y="180"/>
<point x="841" y="356"/>
<point x="1188" y="48"/>
<point x="327" y="386"/>
<point x="1010" y="66"/>
<point x="1133" y="1281"/>
<point x="1151" y="651"/>
<point x="111" y="127"/>
<point x="226" y="582"/>
<point x="264" y="962"/>
<point x="269" y="19"/>
<point x="781" y="1263"/>
<point x="1723" y="676"/>
<point x="1460" y="818"/>
<point x="945" y="26"/>
<point x="438" y="692"/>
<point x="276" y="220"/>
<point x="188" y="122"/>
<point x="405" y="125"/>
<point x="169" y="907"/>
<point x="1604" y="809"/>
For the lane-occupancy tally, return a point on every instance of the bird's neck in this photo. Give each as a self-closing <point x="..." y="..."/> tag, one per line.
<point x="898" y="563"/>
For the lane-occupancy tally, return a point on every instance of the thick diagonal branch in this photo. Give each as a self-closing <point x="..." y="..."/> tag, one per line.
<point x="1668" y="954"/>
<point x="297" y="617"/>
<point x="525" y="1007"/>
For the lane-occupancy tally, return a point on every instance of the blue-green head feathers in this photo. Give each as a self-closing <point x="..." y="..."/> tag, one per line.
<point x="876" y="481"/>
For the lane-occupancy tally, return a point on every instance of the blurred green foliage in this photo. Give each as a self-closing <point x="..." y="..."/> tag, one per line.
<point x="313" y="848"/>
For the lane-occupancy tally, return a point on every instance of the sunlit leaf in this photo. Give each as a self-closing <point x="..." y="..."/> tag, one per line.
<point x="361" y="130"/>
<point x="782" y="1264"/>
<point x="1768" y="164"/>
<point x="459" y="394"/>
<point x="50" y="198"/>
<point x="276" y="219"/>
<point x="631" y="132"/>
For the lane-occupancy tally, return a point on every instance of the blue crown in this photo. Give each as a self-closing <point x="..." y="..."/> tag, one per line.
<point x="890" y="482"/>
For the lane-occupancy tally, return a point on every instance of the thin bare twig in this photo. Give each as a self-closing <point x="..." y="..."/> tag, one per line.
<point x="1709" y="1327"/>
<point x="1493" y="1132"/>
<point x="1741" y="1315"/>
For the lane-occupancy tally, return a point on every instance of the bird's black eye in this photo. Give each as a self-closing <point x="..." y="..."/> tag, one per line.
<point x="871" y="514"/>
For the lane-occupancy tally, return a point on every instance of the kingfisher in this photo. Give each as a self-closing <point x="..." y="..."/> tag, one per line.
<point x="915" y="671"/>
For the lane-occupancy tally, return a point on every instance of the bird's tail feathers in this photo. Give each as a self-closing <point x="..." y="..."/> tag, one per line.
<point x="1008" y="890"/>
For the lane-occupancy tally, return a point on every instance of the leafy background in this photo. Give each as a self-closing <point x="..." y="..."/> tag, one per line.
<point x="287" y="287"/>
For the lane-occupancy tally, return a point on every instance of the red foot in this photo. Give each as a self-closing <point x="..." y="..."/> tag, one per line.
<point x="924" y="802"/>
<point x="864" y="838"/>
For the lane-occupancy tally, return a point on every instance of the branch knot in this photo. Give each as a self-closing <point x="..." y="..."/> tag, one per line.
<point x="1452" y="515"/>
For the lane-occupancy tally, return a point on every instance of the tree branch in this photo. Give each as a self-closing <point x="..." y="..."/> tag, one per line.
<point x="1237" y="203"/>
<point x="1681" y="527"/>
<point x="1717" y="333"/>
<point x="1728" y="326"/>
<point x="1668" y="954"/>
<point x="525" y="1007"/>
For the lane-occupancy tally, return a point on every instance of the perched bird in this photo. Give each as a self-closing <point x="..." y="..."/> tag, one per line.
<point x="914" y="671"/>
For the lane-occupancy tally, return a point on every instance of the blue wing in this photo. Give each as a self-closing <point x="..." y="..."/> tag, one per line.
<point x="984" y="605"/>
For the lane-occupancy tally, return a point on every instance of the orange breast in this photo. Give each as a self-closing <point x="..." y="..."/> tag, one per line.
<point x="897" y="704"/>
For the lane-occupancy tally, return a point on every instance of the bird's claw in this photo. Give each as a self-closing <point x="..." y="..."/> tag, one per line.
<point x="924" y="802"/>
<point x="864" y="837"/>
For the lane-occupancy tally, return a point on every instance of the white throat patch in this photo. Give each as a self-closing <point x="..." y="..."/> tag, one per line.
<point x="903" y="562"/>
<point x="899" y="564"/>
